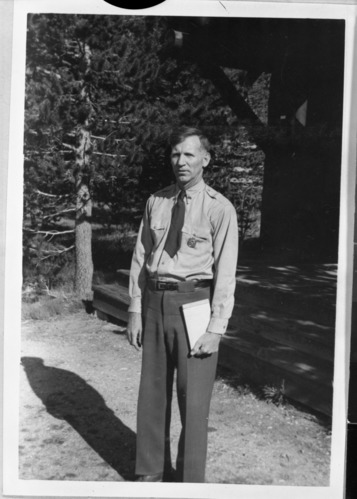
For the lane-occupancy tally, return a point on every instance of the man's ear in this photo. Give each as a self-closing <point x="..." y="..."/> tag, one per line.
<point x="206" y="159"/>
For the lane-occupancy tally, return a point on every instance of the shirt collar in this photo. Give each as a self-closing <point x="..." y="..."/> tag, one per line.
<point x="192" y="191"/>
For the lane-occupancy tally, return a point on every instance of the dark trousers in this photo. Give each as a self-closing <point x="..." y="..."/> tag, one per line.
<point x="165" y="348"/>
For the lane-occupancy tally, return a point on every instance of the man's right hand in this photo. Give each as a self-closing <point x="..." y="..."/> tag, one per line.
<point x="134" y="330"/>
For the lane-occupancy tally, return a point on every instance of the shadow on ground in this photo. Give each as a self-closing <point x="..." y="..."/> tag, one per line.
<point x="68" y="397"/>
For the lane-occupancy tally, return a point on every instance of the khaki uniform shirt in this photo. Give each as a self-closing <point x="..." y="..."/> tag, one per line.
<point x="209" y="248"/>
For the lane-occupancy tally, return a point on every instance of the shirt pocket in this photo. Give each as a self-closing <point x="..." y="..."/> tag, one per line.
<point x="157" y="229"/>
<point x="195" y="240"/>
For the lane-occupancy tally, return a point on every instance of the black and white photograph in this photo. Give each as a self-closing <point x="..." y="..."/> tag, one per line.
<point x="178" y="272"/>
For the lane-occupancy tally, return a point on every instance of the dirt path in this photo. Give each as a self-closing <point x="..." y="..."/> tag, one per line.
<point x="79" y="384"/>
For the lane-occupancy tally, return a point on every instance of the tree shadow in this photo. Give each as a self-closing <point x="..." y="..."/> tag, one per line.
<point x="68" y="397"/>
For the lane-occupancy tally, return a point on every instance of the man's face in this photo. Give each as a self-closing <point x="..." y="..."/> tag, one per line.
<point x="188" y="158"/>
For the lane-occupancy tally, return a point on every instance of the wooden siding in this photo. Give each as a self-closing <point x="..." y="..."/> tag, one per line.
<point x="281" y="332"/>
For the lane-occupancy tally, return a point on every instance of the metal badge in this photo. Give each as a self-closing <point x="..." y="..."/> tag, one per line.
<point x="191" y="243"/>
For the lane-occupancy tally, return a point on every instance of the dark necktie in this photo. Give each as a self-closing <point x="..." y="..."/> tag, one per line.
<point x="173" y="241"/>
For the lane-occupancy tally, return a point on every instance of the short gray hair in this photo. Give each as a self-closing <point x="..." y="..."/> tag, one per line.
<point x="178" y="135"/>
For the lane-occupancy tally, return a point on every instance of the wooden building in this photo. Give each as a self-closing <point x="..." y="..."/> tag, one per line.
<point x="302" y="139"/>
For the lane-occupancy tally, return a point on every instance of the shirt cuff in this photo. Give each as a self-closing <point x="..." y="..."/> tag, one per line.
<point x="135" y="305"/>
<point x="217" y="325"/>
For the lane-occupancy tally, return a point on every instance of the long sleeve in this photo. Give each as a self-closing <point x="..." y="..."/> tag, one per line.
<point x="225" y="252"/>
<point x="138" y="264"/>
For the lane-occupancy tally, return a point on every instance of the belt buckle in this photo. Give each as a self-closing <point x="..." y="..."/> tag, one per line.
<point x="160" y="286"/>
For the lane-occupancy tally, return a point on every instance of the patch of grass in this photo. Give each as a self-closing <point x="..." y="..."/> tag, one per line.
<point x="235" y="381"/>
<point x="46" y="307"/>
<point x="241" y="386"/>
<point x="237" y="384"/>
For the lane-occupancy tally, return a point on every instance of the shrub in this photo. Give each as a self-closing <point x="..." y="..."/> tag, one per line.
<point x="274" y="394"/>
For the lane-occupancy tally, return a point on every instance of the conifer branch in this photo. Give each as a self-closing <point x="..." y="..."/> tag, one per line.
<point x="99" y="138"/>
<point x="105" y="154"/>
<point x="68" y="146"/>
<point x="47" y="194"/>
<point x="50" y="233"/>
<point x="59" y="213"/>
<point x="58" y="252"/>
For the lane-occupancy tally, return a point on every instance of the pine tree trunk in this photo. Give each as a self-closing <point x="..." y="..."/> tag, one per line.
<point x="83" y="230"/>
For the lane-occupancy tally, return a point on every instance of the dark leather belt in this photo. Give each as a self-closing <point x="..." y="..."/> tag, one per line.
<point x="180" y="286"/>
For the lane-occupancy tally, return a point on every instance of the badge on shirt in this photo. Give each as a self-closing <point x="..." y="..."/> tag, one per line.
<point x="191" y="243"/>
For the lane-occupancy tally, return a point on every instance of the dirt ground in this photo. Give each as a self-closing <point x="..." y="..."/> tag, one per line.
<point x="79" y="384"/>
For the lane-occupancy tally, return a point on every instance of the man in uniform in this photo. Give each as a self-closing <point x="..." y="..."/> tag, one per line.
<point x="186" y="251"/>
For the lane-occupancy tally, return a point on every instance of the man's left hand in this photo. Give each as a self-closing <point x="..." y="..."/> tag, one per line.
<point x="207" y="344"/>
